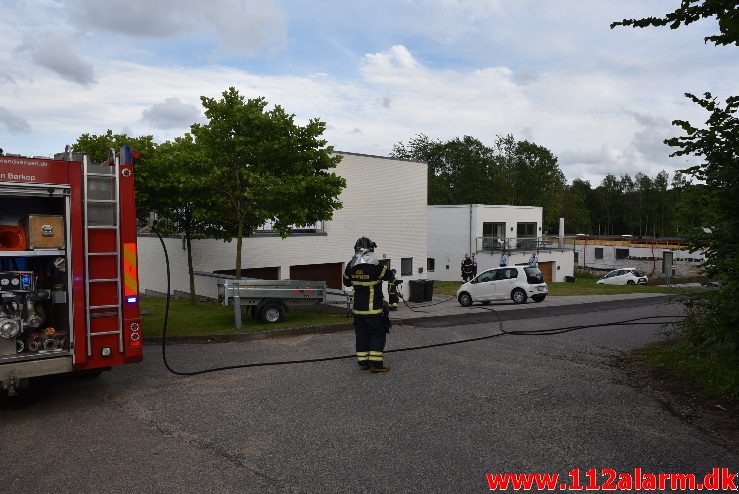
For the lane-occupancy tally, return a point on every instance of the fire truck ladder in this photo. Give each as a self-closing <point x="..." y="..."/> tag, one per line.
<point x="102" y="213"/>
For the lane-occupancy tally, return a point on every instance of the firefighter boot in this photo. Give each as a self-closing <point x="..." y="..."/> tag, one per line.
<point x="382" y="368"/>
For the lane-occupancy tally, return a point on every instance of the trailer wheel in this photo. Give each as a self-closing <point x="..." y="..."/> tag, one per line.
<point x="272" y="313"/>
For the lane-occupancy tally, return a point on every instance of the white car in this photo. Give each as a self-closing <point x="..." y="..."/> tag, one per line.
<point x="518" y="283"/>
<point x="624" y="276"/>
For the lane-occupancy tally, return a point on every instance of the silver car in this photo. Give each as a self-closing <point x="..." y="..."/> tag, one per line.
<point x="518" y="283"/>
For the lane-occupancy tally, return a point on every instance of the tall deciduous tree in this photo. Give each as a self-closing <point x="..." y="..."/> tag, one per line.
<point x="98" y="148"/>
<point x="574" y="208"/>
<point x="465" y="171"/>
<point x="265" y="167"/>
<point x="537" y="180"/>
<point x="175" y="178"/>
<point x="716" y="327"/>
<point x="460" y="171"/>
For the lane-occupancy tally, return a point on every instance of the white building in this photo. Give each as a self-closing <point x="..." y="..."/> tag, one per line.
<point x="385" y="200"/>
<point x="606" y="253"/>
<point x="487" y="231"/>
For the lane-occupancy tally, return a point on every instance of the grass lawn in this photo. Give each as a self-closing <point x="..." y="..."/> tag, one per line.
<point x="209" y="318"/>
<point x="581" y="286"/>
<point x="713" y="374"/>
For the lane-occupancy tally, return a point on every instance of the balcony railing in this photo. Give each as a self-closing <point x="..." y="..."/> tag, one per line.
<point x="494" y="245"/>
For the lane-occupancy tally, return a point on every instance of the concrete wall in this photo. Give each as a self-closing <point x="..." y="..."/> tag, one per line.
<point x="449" y="238"/>
<point x="385" y="200"/>
<point x="453" y="231"/>
<point x="510" y="215"/>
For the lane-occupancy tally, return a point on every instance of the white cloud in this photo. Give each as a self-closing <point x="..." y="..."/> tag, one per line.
<point x="171" y="114"/>
<point x="600" y="99"/>
<point x="243" y="27"/>
<point x="56" y="52"/>
<point x="13" y="123"/>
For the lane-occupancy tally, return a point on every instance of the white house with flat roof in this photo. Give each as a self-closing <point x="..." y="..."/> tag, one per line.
<point x="488" y="231"/>
<point x="384" y="199"/>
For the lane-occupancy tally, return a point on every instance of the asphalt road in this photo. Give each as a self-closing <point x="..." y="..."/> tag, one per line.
<point x="437" y="423"/>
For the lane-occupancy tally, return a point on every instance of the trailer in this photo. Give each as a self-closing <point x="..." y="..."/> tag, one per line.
<point x="68" y="266"/>
<point x="269" y="299"/>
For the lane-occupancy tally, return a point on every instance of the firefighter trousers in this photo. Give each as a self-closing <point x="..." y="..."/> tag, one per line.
<point x="370" y="332"/>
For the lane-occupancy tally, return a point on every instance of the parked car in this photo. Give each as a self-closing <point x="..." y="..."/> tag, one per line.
<point x="624" y="276"/>
<point x="518" y="283"/>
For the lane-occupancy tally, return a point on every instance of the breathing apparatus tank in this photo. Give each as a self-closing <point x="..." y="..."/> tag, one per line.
<point x="364" y="252"/>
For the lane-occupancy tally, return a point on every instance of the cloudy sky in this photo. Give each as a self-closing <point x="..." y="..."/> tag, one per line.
<point x="377" y="72"/>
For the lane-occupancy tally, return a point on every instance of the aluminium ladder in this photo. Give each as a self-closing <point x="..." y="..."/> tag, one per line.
<point x="102" y="242"/>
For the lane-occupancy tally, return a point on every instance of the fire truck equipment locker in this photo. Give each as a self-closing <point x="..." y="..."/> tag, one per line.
<point x="68" y="267"/>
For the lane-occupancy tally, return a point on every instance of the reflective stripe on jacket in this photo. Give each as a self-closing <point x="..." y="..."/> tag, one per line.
<point x="367" y="282"/>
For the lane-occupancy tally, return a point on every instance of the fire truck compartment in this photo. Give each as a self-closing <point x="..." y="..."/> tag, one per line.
<point x="36" y="337"/>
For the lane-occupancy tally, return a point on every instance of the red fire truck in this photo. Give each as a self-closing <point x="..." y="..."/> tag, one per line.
<point x="68" y="266"/>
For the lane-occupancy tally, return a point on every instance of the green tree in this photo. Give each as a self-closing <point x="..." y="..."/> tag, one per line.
<point x="609" y="195"/>
<point x="265" y="167"/>
<point x="714" y="326"/>
<point x="644" y="190"/>
<point x="662" y="216"/>
<point x="628" y="188"/>
<point x="535" y="179"/>
<point x="98" y="148"/>
<point x="465" y="171"/>
<point x="690" y="11"/>
<point x="574" y="208"/>
<point x="175" y="178"/>
<point x="460" y="171"/>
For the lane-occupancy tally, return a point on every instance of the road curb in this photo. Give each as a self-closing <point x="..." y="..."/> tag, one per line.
<point x="430" y="321"/>
<point x="259" y="335"/>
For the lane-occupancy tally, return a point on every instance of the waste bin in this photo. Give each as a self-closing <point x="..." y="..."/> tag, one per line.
<point x="428" y="291"/>
<point x="416" y="291"/>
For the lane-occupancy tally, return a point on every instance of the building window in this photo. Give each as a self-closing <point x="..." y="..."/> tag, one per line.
<point x="526" y="230"/>
<point x="406" y="266"/>
<point x="430" y="264"/>
<point x="622" y="253"/>
<point x="493" y="236"/>
<point x="577" y="257"/>
<point x="317" y="227"/>
<point x="385" y="262"/>
<point x="599" y="252"/>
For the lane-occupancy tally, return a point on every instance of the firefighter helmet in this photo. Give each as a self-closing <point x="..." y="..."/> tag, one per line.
<point x="364" y="252"/>
<point x="364" y="243"/>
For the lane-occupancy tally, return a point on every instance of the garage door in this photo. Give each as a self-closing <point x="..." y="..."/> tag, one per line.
<point x="546" y="269"/>
<point x="258" y="273"/>
<point x="330" y="273"/>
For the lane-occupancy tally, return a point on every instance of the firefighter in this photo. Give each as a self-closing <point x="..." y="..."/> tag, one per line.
<point x="392" y="291"/>
<point x="366" y="275"/>
<point x="467" y="268"/>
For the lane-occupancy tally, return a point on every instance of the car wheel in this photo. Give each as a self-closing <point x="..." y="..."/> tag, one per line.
<point x="630" y="282"/>
<point x="465" y="299"/>
<point x="518" y="296"/>
<point x="538" y="298"/>
<point x="271" y="313"/>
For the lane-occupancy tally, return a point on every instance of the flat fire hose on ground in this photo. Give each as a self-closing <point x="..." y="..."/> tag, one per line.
<point x="502" y="332"/>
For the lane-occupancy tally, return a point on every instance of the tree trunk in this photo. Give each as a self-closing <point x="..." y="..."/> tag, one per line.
<point x="239" y="242"/>
<point x="188" y="240"/>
